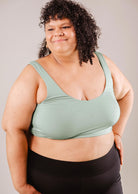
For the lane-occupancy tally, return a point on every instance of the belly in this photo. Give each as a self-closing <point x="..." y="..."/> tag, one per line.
<point x="81" y="149"/>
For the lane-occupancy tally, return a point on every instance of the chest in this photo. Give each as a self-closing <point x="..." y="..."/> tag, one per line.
<point x="65" y="112"/>
<point x="62" y="117"/>
<point x="88" y="83"/>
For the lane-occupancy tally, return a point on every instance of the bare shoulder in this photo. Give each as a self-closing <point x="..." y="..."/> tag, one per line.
<point x="120" y="83"/>
<point x="27" y="78"/>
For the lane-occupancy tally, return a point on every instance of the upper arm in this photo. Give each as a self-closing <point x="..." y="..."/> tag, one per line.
<point x="121" y="85"/>
<point x="21" y="101"/>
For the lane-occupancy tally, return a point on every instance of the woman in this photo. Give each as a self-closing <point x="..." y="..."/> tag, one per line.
<point x="66" y="113"/>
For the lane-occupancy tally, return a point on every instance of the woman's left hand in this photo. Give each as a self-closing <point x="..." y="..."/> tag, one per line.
<point x="119" y="145"/>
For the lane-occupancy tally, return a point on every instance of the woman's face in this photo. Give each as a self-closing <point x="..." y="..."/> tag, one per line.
<point x="60" y="36"/>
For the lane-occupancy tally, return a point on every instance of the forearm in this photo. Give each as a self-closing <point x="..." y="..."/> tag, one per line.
<point x="126" y="104"/>
<point x="17" y="148"/>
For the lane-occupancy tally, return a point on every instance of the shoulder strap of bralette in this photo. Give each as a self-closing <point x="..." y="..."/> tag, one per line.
<point x="52" y="87"/>
<point x="106" y="70"/>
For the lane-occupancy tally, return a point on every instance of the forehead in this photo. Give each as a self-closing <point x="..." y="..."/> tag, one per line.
<point x="53" y="22"/>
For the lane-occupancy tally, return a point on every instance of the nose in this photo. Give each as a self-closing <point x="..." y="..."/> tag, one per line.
<point x="59" y="32"/>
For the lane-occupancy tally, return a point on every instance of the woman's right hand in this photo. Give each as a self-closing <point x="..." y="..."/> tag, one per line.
<point x="28" y="189"/>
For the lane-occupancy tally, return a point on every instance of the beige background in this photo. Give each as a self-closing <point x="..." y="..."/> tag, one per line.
<point x="20" y="37"/>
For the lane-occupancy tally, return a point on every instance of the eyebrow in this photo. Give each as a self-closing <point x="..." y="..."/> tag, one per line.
<point x="49" y="25"/>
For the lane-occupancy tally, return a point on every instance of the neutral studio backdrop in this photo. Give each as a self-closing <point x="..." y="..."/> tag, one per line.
<point x="20" y="38"/>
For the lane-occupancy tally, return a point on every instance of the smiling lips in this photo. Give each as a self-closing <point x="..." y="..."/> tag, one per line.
<point x="60" y="40"/>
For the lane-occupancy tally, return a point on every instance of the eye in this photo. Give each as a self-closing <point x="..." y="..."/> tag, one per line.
<point x="50" y="29"/>
<point x="64" y="27"/>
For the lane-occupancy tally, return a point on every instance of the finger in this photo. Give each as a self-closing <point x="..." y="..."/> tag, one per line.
<point x="118" y="143"/>
<point x="119" y="146"/>
<point x="121" y="155"/>
<point x="37" y="192"/>
<point x="120" y="152"/>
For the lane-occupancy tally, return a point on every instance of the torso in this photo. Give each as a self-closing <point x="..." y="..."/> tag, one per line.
<point x="88" y="83"/>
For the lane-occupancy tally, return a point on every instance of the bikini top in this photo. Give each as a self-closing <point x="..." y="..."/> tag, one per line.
<point x="61" y="116"/>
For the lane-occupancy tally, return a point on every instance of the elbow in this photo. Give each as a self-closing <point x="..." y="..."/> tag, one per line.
<point x="129" y="97"/>
<point x="10" y="129"/>
<point x="3" y="125"/>
<point x="131" y="93"/>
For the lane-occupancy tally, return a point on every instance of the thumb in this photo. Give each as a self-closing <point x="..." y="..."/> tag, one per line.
<point x="117" y="144"/>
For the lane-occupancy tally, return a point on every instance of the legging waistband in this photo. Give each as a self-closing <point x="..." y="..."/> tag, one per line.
<point x="95" y="167"/>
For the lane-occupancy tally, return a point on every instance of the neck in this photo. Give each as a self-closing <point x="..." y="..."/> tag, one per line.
<point x="68" y="61"/>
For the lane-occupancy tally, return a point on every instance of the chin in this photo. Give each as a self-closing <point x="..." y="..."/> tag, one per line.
<point x="61" y="50"/>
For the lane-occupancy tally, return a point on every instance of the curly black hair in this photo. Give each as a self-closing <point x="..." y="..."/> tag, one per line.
<point x="87" y="32"/>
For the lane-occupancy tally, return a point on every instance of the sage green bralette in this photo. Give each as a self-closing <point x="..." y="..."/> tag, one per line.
<point x="61" y="116"/>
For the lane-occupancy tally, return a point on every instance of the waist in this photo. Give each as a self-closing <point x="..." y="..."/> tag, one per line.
<point x="80" y="149"/>
<point x="90" y="167"/>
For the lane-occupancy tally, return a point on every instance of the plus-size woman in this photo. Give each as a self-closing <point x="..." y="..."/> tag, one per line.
<point x="67" y="111"/>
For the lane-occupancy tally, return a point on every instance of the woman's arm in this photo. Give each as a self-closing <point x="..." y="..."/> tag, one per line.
<point x="125" y="103"/>
<point x="125" y="96"/>
<point x="16" y="120"/>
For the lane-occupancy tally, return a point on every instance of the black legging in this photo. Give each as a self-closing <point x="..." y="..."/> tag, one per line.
<point x="98" y="176"/>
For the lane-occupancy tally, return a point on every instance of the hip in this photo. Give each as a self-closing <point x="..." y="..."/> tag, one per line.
<point x="49" y="175"/>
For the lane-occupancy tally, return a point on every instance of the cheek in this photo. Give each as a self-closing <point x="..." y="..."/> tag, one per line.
<point x="73" y="36"/>
<point x="48" y="37"/>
